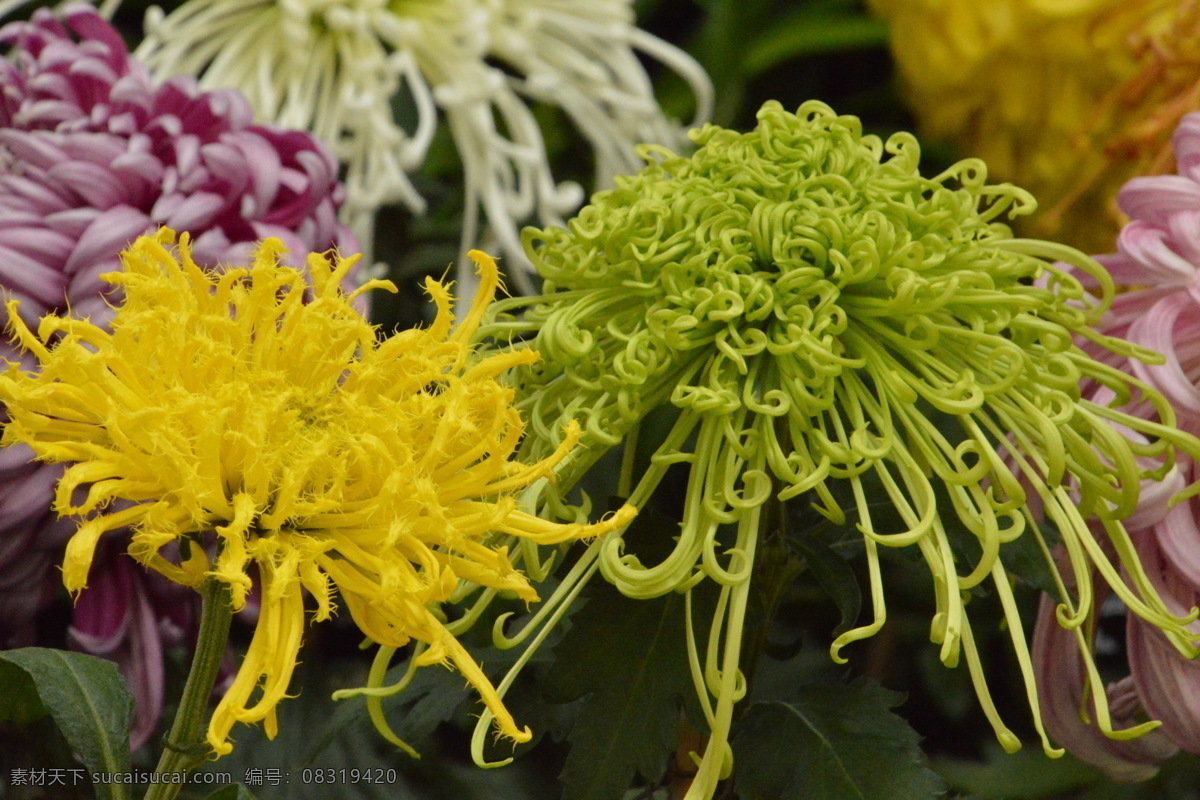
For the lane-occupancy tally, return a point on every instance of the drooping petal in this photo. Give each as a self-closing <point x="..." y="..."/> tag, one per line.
<point x="801" y="297"/>
<point x="1066" y="712"/>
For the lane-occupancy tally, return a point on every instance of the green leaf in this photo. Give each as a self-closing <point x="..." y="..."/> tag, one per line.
<point x="21" y="706"/>
<point x="834" y="742"/>
<point x="809" y="33"/>
<point x="87" y="699"/>
<point x="1024" y="775"/>
<point x="629" y="659"/>
<point x="234" y="791"/>
<point x="835" y="575"/>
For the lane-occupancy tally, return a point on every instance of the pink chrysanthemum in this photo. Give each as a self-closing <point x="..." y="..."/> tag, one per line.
<point x="1158" y="260"/>
<point x="92" y="155"/>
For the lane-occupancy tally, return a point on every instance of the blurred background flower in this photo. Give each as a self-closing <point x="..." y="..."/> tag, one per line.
<point x="1069" y="98"/>
<point x="373" y="78"/>
<point x="93" y="153"/>
<point x="1158" y="263"/>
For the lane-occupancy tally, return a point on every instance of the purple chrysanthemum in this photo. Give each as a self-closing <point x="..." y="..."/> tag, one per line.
<point x="1158" y="259"/>
<point x="92" y="155"/>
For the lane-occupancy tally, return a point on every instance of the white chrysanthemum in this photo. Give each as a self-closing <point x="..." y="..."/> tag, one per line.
<point x="337" y="67"/>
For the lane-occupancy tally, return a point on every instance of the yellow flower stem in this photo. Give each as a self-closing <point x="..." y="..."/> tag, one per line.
<point x="184" y="748"/>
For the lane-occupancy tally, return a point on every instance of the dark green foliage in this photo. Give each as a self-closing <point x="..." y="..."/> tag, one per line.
<point x="86" y="698"/>
<point x="627" y="659"/>
<point x="833" y="742"/>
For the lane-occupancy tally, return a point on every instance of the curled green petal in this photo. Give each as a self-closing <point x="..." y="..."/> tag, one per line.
<point x="811" y="304"/>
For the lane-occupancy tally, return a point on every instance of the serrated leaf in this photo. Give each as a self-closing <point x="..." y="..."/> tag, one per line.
<point x="87" y="699"/>
<point x="628" y="658"/>
<point x="833" y="742"/>
<point x="432" y="698"/>
<point x="234" y="791"/>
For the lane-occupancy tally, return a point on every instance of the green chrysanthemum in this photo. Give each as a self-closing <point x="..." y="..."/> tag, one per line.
<point x="818" y="312"/>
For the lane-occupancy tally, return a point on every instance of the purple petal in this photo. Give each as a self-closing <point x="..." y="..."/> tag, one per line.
<point x="132" y="90"/>
<point x="72" y="222"/>
<point x="89" y="25"/>
<point x="210" y="247"/>
<point x="1184" y="227"/>
<point x="167" y="125"/>
<point x="1168" y="684"/>
<point x="142" y="167"/>
<point x="57" y="86"/>
<point x="98" y="148"/>
<point x="32" y="147"/>
<point x="232" y="106"/>
<point x="226" y="163"/>
<point x="166" y="204"/>
<point x="187" y="153"/>
<point x="48" y="247"/>
<point x="41" y="198"/>
<point x="1154" y="199"/>
<point x="264" y="166"/>
<point x="143" y="668"/>
<point x="117" y="621"/>
<point x="34" y="277"/>
<point x="1186" y="142"/>
<point x="96" y="185"/>
<point x="102" y="611"/>
<point x="196" y="212"/>
<point x="1178" y="535"/>
<point x="46" y="113"/>
<point x="14" y="458"/>
<point x="94" y="69"/>
<point x="123" y="124"/>
<point x="1170" y="323"/>
<point x="1130" y="307"/>
<point x="1150" y="247"/>
<point x="106" y="236"/>
<point x="1060" y="683"/>
<point x="28" y="499"/>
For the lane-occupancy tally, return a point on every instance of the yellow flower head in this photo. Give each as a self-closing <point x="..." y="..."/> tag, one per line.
<point x="254" y="415"/>
<point x="1070" y="98"/>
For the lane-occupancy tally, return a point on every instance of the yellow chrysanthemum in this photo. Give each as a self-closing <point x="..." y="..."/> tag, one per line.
<point x="254" y="415"/>
<point x="1070" y="98"/>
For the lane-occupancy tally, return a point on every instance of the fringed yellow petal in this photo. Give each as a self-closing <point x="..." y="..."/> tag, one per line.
<point x="82" y="545"/>
<point x="254" y="413"/>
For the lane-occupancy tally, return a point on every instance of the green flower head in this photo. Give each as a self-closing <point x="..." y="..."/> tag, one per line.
<point x="818" y="312"/>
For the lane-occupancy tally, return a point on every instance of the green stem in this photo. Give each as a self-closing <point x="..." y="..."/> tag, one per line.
<point x="185" y="748"/>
